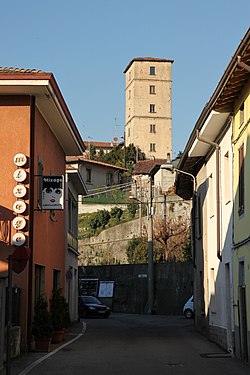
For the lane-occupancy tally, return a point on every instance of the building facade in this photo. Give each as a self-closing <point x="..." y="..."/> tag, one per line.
<point x="75" y="187"/>
<point x="37" y="132"/>
<point x="217" y="156"/>
<point x="148" y="122"/>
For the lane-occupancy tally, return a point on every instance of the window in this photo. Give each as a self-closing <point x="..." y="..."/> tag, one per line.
<point x="152" y="108"/>
<point x="198" y="214"/>
<point x="241" y="180"/>
<point x="152" y="128"/>
<point x="129" y="94"/>
<point x="56" y="279"/>
<point x="152" y="70"/>
<point x="72" y="215"/>
<point x="211" y="196"/>
<point x="109" y="179"/>
<point x="128" y="132"/>
<point x="242" y="114"/>
<point x="152" y="89"/>
<point x="212" y="291"/>
<point x="227" y="187"/>
<point x="88" y="173"/>
<point x="152" y="147"/>
<point x="39" y="281"/>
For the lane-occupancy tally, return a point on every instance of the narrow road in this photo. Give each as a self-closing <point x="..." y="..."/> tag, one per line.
<point x="141" y="344"/>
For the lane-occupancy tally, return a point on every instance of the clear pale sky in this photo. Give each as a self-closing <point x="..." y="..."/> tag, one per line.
<point x="87" y="44"/>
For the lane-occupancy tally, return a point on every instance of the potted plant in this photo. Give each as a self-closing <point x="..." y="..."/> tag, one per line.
<point x="58" y="309"/>
<point x="42" y="328"/>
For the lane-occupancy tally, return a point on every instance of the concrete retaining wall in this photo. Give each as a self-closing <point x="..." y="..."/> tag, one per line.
<point x="173" y="286"/>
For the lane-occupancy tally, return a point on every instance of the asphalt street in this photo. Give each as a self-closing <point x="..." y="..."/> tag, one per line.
<point x="127" y="344"/>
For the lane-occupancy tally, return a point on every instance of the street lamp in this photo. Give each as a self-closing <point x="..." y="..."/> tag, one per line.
<point x="171" y="168"/>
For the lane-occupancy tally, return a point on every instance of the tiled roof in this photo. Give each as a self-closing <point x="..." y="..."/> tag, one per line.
<point x="71" y="159"/>
<point x="19" y="70"/>
<point x="147" y="166"/>
<point x="101" y="144"/>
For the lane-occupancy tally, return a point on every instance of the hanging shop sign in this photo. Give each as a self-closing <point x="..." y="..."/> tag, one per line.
<point x="19" y="223"/>
<point x="19" y="191"/>
<point x="52" y="193"/>
<point x="20" y="160"/>
<point x="19" y="207"/>
<point x="20" y="175"/>
<point x="18" y="239"/>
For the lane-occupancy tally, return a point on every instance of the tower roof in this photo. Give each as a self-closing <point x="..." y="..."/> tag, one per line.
<point x="147" y="59"/>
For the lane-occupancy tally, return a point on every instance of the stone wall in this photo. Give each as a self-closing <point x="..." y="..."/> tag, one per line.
<point x="110" y="245"/>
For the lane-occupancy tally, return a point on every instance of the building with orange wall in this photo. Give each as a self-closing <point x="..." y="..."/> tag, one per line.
<point x="36" y="123"/>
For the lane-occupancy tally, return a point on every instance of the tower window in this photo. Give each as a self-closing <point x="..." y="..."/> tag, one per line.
<point x="152" y="108"/>
<point x="152" y="70"/>
<point x="152" y="89"/>
<point x="152" y="128"/>
<point x="152" y="147"/>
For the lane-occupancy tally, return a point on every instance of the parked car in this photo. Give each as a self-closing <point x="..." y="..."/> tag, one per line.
<point x="188" y="308"/>
<point x="91" y="306"/>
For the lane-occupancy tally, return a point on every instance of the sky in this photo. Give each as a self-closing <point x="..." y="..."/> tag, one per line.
<point x="87" y="44"/>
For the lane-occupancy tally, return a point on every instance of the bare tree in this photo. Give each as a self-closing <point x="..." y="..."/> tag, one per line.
<point x="171" y="237"/>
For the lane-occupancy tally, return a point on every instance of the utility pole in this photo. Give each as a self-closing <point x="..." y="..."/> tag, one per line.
<point x="150" y="251"/>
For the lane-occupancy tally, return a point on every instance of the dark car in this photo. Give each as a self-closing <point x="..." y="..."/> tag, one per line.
<point x="91" y="306"/>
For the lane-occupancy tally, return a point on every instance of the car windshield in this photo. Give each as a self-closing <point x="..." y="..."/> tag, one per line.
<point x="91" y="299"/>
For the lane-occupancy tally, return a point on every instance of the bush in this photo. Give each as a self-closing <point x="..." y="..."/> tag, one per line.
<point x="132" y="209"/>
<point x="42" y="323"/>
<point x="116" y="213"/>
<point x="59" y="310"/>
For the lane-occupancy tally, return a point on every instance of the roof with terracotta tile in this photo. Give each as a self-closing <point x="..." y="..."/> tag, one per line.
<point x="147" y="166"/>
<point x="20" y="70"/>
<point x="101" y="144"/>
<point x="82" y="159"/>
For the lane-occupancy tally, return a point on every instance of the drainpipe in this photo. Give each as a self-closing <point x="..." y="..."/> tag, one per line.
<point x="31" y="220"/>
<point x="217" y="188"/>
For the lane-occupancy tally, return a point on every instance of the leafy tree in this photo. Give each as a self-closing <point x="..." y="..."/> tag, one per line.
<point x="116" y="156"/>
<point x="92" y="152"/>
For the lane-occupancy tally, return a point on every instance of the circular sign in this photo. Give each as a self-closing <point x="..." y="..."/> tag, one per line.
<point x="20" y="175"/>
<point x="19" y="191"/>
<point x="20" y="160"/>
<point x="19" y="207"/>
<point x="18" y="239"/>
<point x="19" y="223"/>
<point x="20" y="258"/>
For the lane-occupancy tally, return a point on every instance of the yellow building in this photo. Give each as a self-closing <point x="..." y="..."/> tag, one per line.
<point x="241" y="236"/>
<point x="148" y="123"/>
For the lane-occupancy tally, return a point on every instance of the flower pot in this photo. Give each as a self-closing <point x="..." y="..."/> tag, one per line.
<point x="58" y="336"/>
<point x="42" y="345"/>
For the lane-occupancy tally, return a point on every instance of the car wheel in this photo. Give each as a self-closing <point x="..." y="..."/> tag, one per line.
<point x="188" y="314"/>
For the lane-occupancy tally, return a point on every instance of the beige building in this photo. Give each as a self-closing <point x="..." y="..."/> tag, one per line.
<point x="148" y="123"/>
